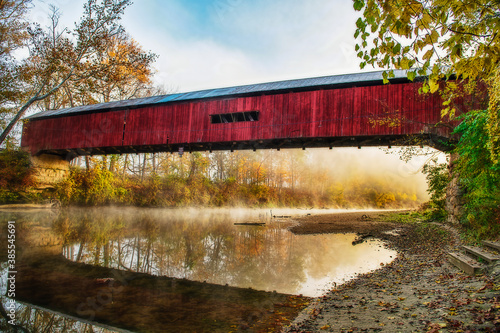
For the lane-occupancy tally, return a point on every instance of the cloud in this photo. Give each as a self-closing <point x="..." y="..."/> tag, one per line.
<point x="202" y="64"/>
<point x="207" y="44"/>
<point x="233" y="42"/>
<point x="294" y="38"/>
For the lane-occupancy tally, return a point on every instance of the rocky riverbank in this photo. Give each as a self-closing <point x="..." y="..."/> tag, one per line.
<point x="418" y="292"/>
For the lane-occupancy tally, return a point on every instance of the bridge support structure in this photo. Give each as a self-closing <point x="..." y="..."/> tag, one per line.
<point x="50" y="169"/>
<point x="454" y="194"/>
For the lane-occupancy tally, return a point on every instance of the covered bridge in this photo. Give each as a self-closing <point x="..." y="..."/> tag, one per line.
<point x="330" y="111"/>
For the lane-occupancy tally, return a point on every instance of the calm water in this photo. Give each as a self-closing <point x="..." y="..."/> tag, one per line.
<point x="201" y="245"/>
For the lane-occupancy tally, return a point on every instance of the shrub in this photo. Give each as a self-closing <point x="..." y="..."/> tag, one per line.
<point x="16" y="175"/>
<point x="437" y="179"/>
<point x="479" y="173"/>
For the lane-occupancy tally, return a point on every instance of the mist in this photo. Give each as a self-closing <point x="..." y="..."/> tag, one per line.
<point x="311" y="178"/>
<point x="367" y="171"/>
<point x="372" y="165"/>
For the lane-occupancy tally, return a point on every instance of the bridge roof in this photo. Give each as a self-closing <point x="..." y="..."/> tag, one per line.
<point x="332" y="81"/>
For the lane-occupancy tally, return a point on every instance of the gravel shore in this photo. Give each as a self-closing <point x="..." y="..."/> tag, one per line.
<point x="418" y="292"/>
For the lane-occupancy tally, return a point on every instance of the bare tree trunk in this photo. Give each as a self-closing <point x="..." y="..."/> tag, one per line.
<point x="80" y="252"/>
<point x="97" y="254"/>
<point x="125" y="164"/>
<point x="143" y="168"/>
<point x="104" y="162"/>
<point x="87" y="162"/>
<point x="112" y="162"/>
<point x="219" y="162"/>
<point x="192" y="167"/>
<point x="154" y="164"/>
<point x="133" y="165"/>
<point x="106" y="255"/>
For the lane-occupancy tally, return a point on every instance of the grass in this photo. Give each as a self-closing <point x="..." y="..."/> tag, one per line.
<point x="425" y="228"/>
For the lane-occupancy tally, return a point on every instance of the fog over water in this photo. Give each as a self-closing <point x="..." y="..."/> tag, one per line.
<point x="371" y="166"/>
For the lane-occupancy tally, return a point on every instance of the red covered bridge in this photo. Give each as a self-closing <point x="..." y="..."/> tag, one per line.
<point x="340" y="110"/>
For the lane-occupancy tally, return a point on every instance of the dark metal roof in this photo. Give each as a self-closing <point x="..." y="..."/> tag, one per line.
<point x="346" y="80"/>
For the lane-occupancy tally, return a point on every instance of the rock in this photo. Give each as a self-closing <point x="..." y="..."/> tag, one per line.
<point x="495" y="271"/>
<point x="454" y="195"/>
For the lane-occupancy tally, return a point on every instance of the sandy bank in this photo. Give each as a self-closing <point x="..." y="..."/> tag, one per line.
<point x="418" y="292"/>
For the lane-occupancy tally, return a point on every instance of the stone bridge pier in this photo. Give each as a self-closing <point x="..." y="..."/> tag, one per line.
<point x="50" y="169"/>
<point x="454" y="194"/>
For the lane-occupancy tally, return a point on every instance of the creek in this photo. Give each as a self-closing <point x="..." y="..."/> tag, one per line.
<point x="233" y="267"/>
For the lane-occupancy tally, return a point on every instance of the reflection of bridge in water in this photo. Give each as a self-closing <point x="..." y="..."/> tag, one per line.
<point x="122" y="298"/>
<point x="342" y="110"/>
<point x="141" y="302"/>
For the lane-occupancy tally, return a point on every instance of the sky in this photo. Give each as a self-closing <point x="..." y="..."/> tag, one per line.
<point x="203" y="44"/>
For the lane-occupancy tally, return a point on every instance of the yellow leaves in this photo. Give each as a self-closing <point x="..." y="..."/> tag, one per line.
<point x="424" y="22"/>
<point x="434" y="36"/>
<point x="428" y="55"/>
<point x="448" y="111"/>
<point x="493" y="125"/>
<point x="405" y="64"/>
<point x="325" y="327"/>
<point x="433" y="85"/>
<point x="387" y="120"/>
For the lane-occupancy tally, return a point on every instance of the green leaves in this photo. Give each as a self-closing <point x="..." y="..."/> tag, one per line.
<point x="459" y="38"/>
<point x="478" y="171"/>
<point x="360" y="23"/>
<point x="412" y="75"/>
<point x="358" y="5"/>
<point x="396" y="49"/>
<point x="428" y="55"/>
<point x="385" y="77"/>
<point x="437" y="180"/>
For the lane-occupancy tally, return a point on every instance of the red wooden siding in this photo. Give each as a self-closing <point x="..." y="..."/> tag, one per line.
<point x="331" y="113"/>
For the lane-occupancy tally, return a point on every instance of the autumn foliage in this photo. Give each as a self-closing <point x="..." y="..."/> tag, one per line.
<point x="16" y="175"/>
<point x="260" y="179"/>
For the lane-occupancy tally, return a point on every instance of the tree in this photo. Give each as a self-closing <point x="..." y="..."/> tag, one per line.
<point x="60" y="57"/>
<point x="132" y="74"/>
<point x="480" y="175"/>
<point x="129" y="76"/>
<point x="438" y="38"/>
<point x="13" y="36"/>
<point x="441" y="36"/>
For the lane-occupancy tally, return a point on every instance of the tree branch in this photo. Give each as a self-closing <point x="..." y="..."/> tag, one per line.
<point x="467" y="33"/>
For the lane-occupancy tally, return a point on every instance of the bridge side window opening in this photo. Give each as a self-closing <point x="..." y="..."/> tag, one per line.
<point x="235" y="117"/>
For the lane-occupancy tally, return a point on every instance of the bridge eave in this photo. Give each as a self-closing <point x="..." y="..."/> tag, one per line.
<point x="437" y="142"/>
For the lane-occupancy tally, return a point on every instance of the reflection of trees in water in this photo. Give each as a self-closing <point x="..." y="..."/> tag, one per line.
<point x="34" y="320"/>
<point x="28" y="227"/>
<point x="207" y="248"/>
